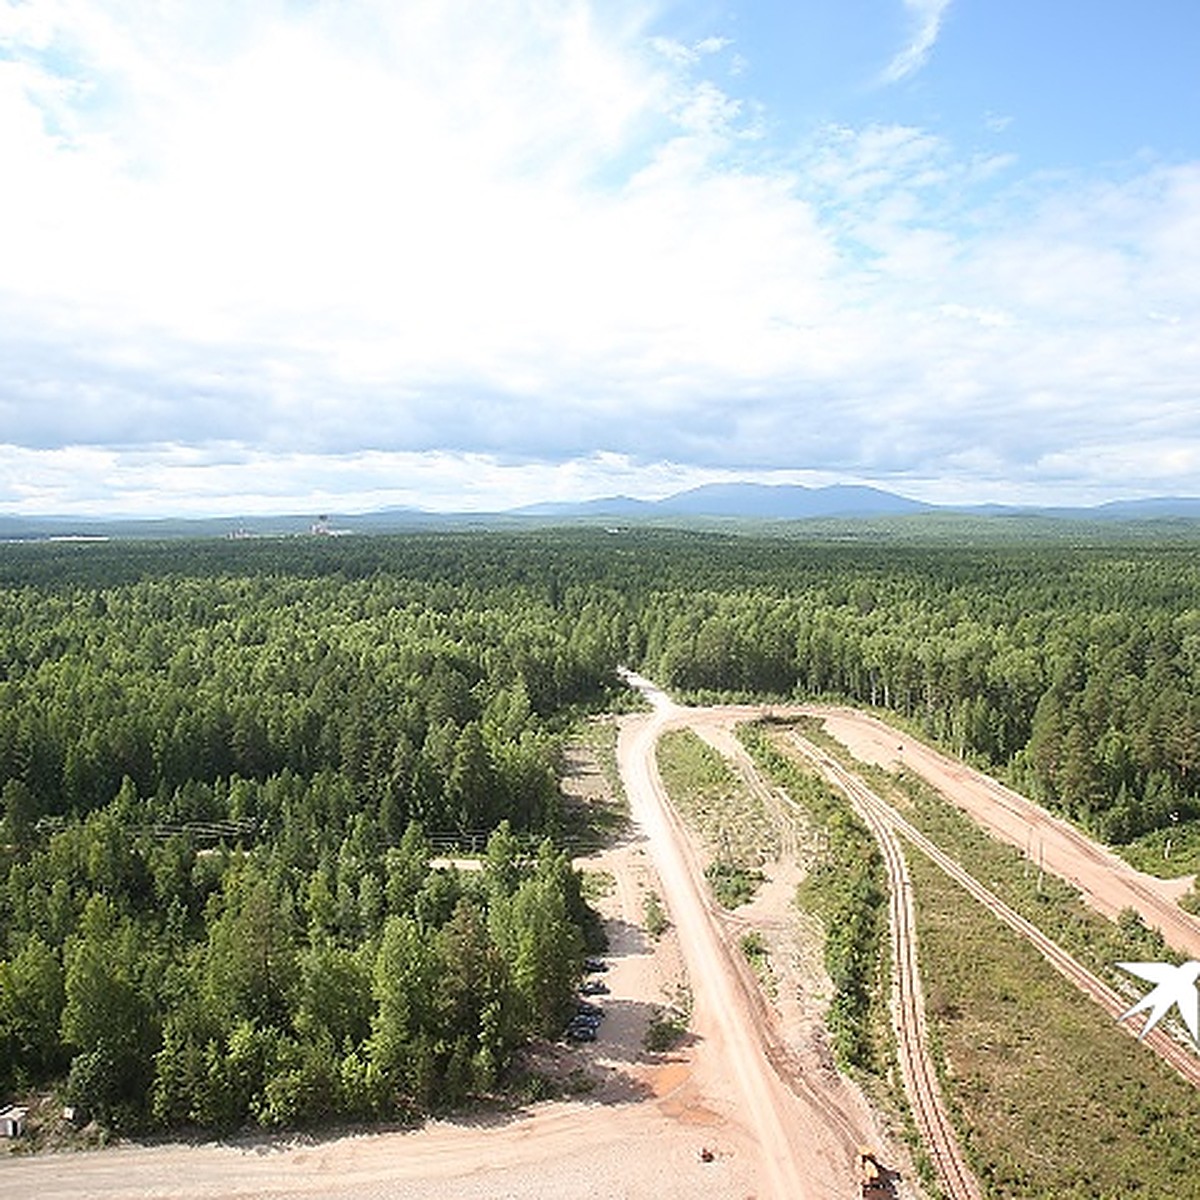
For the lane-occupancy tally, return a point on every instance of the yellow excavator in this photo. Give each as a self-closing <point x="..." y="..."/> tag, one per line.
<point x="876" y="1182"/>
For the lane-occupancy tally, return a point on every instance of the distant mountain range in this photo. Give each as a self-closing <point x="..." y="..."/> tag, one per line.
<point x="714" y="502"/>
<point x="793" y="502"/>
<point x="769" y="502"/>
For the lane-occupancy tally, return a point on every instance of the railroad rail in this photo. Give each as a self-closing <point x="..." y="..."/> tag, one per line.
<point x="937" y="1133"/>
<point x="1184" y="1059"/>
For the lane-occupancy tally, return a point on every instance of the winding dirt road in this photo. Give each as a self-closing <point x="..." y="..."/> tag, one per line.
<point x="806" y="1138"/>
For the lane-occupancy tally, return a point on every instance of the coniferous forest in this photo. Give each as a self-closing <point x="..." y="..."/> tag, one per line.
<point x="222" y="765"/>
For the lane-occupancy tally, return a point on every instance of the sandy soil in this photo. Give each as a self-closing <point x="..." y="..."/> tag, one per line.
<point x="753" y="1083"/>
<point x="1106" y="882"/>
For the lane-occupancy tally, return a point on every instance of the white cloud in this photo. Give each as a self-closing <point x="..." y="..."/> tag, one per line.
<point x="927" y="16"/>
<point x="228" y="480"/>
<point x="344" y="241"/>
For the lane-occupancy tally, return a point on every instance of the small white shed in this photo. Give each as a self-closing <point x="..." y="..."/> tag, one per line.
<point x="12" y="1121"/>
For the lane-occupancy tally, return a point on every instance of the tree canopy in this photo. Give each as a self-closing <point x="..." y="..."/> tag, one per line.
<point x="221" y="764"/>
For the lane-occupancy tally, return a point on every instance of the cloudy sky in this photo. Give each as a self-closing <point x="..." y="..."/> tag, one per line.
<point x="294" y="256"/>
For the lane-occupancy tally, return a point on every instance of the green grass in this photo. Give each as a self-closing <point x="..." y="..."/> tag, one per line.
<point x="732" y="885"/>
<point x="757" y="953"/>
<point x="598" y="884"/>
<point x="600" y="737"/>
<point x="1053" y="1100"/>
<point x="657" y="922"/>
<point x="1165" y="852"/>
<point x="717" y="802"/>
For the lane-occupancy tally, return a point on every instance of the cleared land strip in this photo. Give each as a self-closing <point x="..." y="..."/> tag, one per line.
<point x="908" y="1006"/>
<point x="1183" y="1059"/>
<point x="806" y="1129"/>
<point x="1106" y="882"/>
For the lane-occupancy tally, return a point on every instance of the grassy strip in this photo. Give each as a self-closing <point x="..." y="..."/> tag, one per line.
<point x="1052" y="1099"/>
<point x="756" y="952"/>
<point x="600" y="737"/>
<point x="846" y="887"/>
<point x="1051" y="903"/>
<point x="657" y="922"/>
<point x="600" y="820"/>
<point x="717" y="802"/>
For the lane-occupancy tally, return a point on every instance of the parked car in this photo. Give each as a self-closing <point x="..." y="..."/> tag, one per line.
<point x="591" y="965"/>
<point x="593" y="987"/>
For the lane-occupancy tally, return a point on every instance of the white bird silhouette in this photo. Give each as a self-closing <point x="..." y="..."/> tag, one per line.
<point x="1176" y="987"/>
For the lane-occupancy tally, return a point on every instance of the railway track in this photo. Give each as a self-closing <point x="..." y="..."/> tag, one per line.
<point x="937" y="1133"/>
<point x="1180" y="1057"/>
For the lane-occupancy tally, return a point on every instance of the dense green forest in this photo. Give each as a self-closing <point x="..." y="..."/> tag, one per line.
<point x="221" y="764"/>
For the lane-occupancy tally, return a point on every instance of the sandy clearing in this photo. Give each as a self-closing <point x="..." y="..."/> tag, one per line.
<point x="550" y="1152"/>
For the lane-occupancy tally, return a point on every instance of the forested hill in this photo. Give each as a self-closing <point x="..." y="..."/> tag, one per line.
<point x="220" y="761"/>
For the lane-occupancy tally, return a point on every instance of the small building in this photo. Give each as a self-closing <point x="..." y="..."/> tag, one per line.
<point x="12" y="1121"/>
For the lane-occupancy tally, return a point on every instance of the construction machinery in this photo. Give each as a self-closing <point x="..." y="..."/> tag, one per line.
<point x="876" y="1182"/>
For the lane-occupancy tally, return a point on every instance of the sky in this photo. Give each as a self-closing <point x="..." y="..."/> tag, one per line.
<point x="342" y="255"/>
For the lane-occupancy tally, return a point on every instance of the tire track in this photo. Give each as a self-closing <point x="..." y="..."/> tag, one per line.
<point x="1106" y="882"/>
<point x="908" y="1008"/>
<point x="1182" y="1058"/>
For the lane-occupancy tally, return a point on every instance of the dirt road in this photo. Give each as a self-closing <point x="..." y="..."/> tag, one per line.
<point x="1106" y="882"/>
<point x="806" y="1139"/>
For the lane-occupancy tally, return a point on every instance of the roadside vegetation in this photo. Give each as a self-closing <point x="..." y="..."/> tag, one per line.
<point x="719" y="804"/>
<point x="757" y="953"/>
<point x="596" y="820"/>
<point x="733" y="885"/>
<point x="1168" y="852"/>
<point x="846" y="887"/>
<point x="668" y="1026"/>
<point x="1051" y="903"/>
<point x="1051" y="1097"/>
<point x="655" y="916"/>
